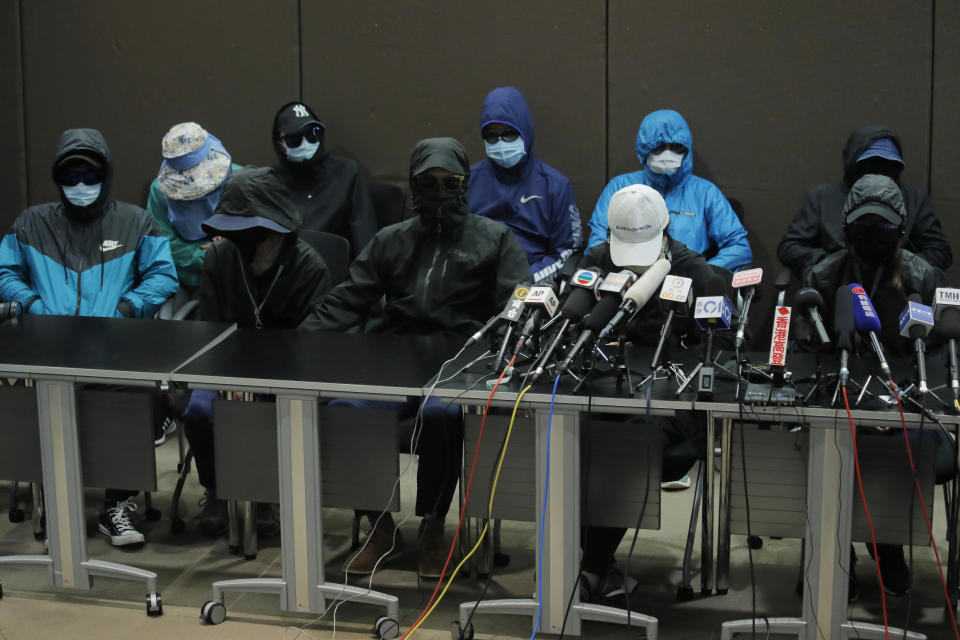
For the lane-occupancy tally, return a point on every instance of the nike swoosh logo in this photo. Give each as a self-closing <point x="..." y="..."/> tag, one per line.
<point x="526" y="199"/>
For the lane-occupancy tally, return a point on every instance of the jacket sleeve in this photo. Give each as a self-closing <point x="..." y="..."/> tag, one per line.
<point x="187" y="256"/>
<point x="157" y="277"/>
<point x="512" y="268"/>
<point x="349" y="303"/>
<point x="15" y="276"/>
<point x="363" y="217"/>
<point x="800" y="247"/>
<point x="927" y="237"/>
<point x="209" y="297"/>
<point x="598" y="220"/>
<point x="726" y="231"/>
<point x="566" y="236"/>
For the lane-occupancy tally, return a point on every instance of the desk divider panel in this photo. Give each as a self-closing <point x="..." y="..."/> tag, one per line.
<point x="359" y="460"/>
<point x="20" y="435"/>
<point x="516" y="489"/>
<point x="115" y="429"/>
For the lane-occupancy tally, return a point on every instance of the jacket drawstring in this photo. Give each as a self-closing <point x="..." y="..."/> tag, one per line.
<point x="257" y="308"/>
<point x="100" y="246"/>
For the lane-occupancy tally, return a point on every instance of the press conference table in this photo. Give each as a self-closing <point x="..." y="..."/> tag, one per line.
<point x="58" y="352"/>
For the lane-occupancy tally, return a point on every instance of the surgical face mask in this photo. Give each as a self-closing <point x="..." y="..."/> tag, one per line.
<point x="81" y="195"/>
<point x="665" y="162"/>
<point x="506" y="154"/>
<point x="302" y="152"/>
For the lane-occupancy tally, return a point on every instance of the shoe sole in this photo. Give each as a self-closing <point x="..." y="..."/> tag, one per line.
<point x="122" y="540"/>
<point x="674" y="486"/>
<point x="352" y="571"/>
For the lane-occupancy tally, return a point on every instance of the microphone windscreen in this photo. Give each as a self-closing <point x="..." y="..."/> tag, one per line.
<point x="948" y="324"/>
<point x="808" y="297"/>
<point x="715" y="286"/>
<point x="648" y="283"/>
<point x="843" y="318"/>
<point x="865" y="317"/>
<point x="915" y="297"/>
<point x="602" y="313"/>
<point x="579" y="304"/>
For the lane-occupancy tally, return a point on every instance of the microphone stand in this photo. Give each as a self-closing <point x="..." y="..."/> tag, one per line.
<point x="618" y="367"/>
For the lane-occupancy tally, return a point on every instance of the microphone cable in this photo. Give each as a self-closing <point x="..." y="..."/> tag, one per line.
<point x="435" y="599"/>
<point x="866" y="509"/>
<point x="543" y="512"/>
<point x="923" y="507"/>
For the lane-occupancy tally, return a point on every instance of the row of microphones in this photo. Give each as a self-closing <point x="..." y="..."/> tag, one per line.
<point x="637" y="296"/>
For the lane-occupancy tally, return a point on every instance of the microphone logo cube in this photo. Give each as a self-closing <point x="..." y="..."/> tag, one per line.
<point x="747" y="278"/>
<point x="618" y="282"/>
<point x="779" y="337"/>
<point x="676" y="289"/>
<point x="713" y="311"/>
<point x="543" y="297"/>
<point x="585" y="278"/>
<point x="943" y="298"/>
<point x="915" y="314"/>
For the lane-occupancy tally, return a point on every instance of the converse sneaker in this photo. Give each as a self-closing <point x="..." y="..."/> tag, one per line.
<point x="169" y="426"/>
<point x="676" y="485"/>
<point x="115" y="523"/>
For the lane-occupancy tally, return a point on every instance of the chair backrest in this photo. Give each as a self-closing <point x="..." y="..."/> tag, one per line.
<point x="388" y="202"/>
<point x="334" y="249"/>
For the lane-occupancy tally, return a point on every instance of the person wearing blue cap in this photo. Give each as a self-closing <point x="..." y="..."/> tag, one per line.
<point x="700" y="216"/>
<point x="817" y="229"/>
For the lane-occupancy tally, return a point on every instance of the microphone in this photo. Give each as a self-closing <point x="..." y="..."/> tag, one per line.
<point x="637" y="295"/>
<point x="568" y="269"/>
<point x="916" y="321"/>
<point x="778" y="340"/>
<point x="511" y="312"/>
<point x="675" y="299"/>
<point x="592" y="323"/>
<point x="866" y="322"/>
<point x="711" y="313"/>
<point x="581" y="300"/>
<point x="843" y="329"/>
<point x="946" y="311"/>
<point x="748" y="280"/>
<point x="810" y="299"/>
<point x="542" y="300"/>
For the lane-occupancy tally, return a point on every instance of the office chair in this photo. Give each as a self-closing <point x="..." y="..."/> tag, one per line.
<point x="388" y="202"/>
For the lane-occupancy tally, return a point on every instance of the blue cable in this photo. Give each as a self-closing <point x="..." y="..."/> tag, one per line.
<point x="543" y="513"/>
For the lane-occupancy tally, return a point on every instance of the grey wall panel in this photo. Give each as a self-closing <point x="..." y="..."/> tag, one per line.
<point x="771" y="92"/>
<point x="945" y="150"/>
<point x="13" y="175"/>
<point x="133" y="69"/>
<point x="386" y="74"/>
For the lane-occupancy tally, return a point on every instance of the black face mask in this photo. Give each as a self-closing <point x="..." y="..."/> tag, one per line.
<point x="439" y="206"/>
<point x="875" y="245"/>
<point x="247" y="242"/>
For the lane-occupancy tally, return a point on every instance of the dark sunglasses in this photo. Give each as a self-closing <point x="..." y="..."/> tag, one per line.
<point x="676" y="147"/>
<point x="72" y="179"/>
<point x="507" y="136"/>
<point x="427" y="182"/>
<point x="311" y="135"/>
<point x="855" y="229"/>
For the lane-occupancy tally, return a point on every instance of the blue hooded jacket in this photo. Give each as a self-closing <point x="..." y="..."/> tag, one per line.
<point x="531" y="198"/>
<point x="699" y="213"/>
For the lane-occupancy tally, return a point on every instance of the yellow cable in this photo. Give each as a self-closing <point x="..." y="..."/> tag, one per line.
<point x="956" y="403"/>
<point x="483" y="533"/>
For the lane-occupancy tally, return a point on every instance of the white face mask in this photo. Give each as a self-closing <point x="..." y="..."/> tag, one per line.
<point x="82" y="195"/>
<point x="665" y="162"/>
<point x="302" y="152"/>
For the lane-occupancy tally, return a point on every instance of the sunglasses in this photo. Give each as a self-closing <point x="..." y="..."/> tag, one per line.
<point x="507" y="136"/>
<point x="72" y="179"/>
<point x="311" y="135"/>
<point x="427" y="182"/>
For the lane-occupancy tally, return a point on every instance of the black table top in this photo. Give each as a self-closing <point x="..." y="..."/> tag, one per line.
<point x="37" y="345"/>
<point x="321" y="361"/>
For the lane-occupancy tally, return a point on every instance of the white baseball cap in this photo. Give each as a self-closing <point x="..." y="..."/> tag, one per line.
<point x="637" y="216"/>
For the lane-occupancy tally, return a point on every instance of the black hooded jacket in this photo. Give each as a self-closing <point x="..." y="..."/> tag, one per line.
<point x="330" y="194"/>
<point x="817" y="229"/>
<point x="285" y="292"/>
<point x="445" y="273"/>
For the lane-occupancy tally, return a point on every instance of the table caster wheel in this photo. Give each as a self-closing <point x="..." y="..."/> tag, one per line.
<point x="17" y="515"/>
<point x="501" y="560"/>
<point x="249" y="556"/>
<point x="213" y="612"/>
<point x="234" y="550"/>
<point x="705" y="592"/>
<point x="153" y="515"/>
<point x="40" y="535"/>
<point x="177" y="525"/>
<point x="460" y="633"/>
<point x="386" y="628"/>
<point x="685" y="594"/>
<point x="755" y="542"/>
<point x="722" y="592"/>
<point x="154" y="604"/>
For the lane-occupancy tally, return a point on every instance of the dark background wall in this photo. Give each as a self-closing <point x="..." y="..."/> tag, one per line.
<point x="771" y="90"/>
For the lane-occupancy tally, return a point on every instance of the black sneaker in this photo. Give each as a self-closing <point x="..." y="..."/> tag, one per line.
<point x="115" y="523"/>
<point x="893" y="568"/>
<point x="268" y="519"/>
<point x="213" y="520"/>
<point x="169" y="426"/>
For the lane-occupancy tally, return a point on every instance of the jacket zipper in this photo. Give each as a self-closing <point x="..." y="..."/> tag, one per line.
<point x="76" y="311"/>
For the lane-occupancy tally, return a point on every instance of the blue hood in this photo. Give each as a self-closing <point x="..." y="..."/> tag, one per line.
<point x="662" y="127"/>
<point x="507" y="105"/>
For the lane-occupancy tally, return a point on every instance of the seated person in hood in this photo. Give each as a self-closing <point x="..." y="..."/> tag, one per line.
<point x="874" y="223"/>
<point x="260" y="275"/>
<point x="445" y="271"/>
<point x="514" y="187"/>
<point x="328" y="190"/>
<point x="817" y="229"/>
<point x="88" y="255"/>
<point x="700" y="216"/>
<point x="185" y="192"/>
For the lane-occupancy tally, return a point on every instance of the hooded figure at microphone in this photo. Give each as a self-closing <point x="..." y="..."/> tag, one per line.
<point x="874" y="257"/>
<point x="444" y="271"/>
<point x="638" y="221"/>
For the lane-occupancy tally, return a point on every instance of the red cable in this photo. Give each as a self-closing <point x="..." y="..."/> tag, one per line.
<point x="863" y="498"/>
<point x="466" y="497"/>
<point x="923" y="506"/>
